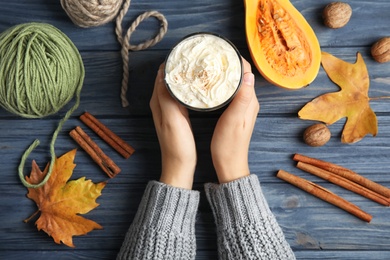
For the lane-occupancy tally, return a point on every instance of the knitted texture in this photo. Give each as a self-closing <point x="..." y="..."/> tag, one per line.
<point x="91" y="13"/>
<point x="41" y="70"/>
<point x="246" y="227"/>
<point x="164" y="226"/>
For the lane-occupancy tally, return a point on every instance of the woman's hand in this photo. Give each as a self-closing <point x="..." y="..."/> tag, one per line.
<point x="232" y="134"/>
<point x="173" y="127"/>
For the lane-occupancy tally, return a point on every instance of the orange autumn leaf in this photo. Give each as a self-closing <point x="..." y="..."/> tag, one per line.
<point x="60" y="201"/>
<point x="351" y="101"/>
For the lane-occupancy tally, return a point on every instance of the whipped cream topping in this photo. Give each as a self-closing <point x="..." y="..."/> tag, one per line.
<point x="203" y="71"/>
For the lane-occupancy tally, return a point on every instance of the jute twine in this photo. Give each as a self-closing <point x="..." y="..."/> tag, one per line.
<point x="41" y="70"/>
<point x="87" y="13"/>
<point x="91" y="13"/>
<point x="124" y="40"/>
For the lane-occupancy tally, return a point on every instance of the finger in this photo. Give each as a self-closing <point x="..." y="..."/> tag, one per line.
<point x="154" y="101"/>
<point x="158" y="81"/>
<point x="247" y="67"/>
<point x="253" y="111"/>
<point x="245" y="95"/>
<point x="254" y="105"/>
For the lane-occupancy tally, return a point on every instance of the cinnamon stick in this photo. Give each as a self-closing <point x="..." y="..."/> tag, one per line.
<point x="94" y="151"/>
<point x="344" y="172"/>
<point x="324" y="194"/>
<point x="343" y="182"/>
<point x="107" y="135"/>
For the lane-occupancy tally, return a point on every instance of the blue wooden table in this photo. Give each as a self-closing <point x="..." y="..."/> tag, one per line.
<point x="315" y="229"/>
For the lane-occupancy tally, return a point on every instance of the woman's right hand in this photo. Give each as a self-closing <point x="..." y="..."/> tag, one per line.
<point x="173" y="127"/>
<point x="232" y="134"/>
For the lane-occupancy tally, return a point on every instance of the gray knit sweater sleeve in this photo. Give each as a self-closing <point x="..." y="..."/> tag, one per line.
<point x="246" y="227"/>
<point x="164" y="225"/>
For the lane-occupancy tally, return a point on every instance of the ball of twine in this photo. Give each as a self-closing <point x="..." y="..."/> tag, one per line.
<point x="41" y="70"/>
<point x="91" y="13"/>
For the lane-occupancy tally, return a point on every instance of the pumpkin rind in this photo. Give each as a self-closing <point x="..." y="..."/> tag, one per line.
<point x="283" y="46"/>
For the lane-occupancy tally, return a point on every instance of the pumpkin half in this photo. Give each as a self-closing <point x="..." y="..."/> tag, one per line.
<point x="283" y="46"/>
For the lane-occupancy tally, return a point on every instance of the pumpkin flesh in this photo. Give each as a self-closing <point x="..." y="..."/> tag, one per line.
<point x="283" y="46"/>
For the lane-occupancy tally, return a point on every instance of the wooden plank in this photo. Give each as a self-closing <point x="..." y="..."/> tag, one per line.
<point x="219" y="16"/>
<point x="308" y="222"/>
<point x="274" y="141"/>
<point x="315" y="229"/>
<point x="101" y="90"/>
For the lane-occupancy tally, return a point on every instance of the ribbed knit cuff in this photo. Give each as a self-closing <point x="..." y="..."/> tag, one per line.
<point x="167" y="208"/>
<point x="239" y="201"/>
<point x="246" y="227"/>
<point x="164" y="225"/>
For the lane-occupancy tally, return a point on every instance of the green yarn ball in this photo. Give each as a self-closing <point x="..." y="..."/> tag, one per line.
<point x="41" y="70"/>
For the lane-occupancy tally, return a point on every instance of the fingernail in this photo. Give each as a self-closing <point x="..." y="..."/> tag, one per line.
<point x="249" y="78"/>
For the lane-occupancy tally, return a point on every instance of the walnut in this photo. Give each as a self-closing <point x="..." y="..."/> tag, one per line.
<point x="380" y="51"/>
<point x="337" y="14"/>
<point x="316" y="135"/>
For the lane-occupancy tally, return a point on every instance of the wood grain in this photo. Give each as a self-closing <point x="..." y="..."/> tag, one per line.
<point x="315" y="229"/>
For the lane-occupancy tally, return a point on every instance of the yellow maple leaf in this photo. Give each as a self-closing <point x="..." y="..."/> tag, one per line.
<point x="60" y="201"/>
<point x="351" y="101"/>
